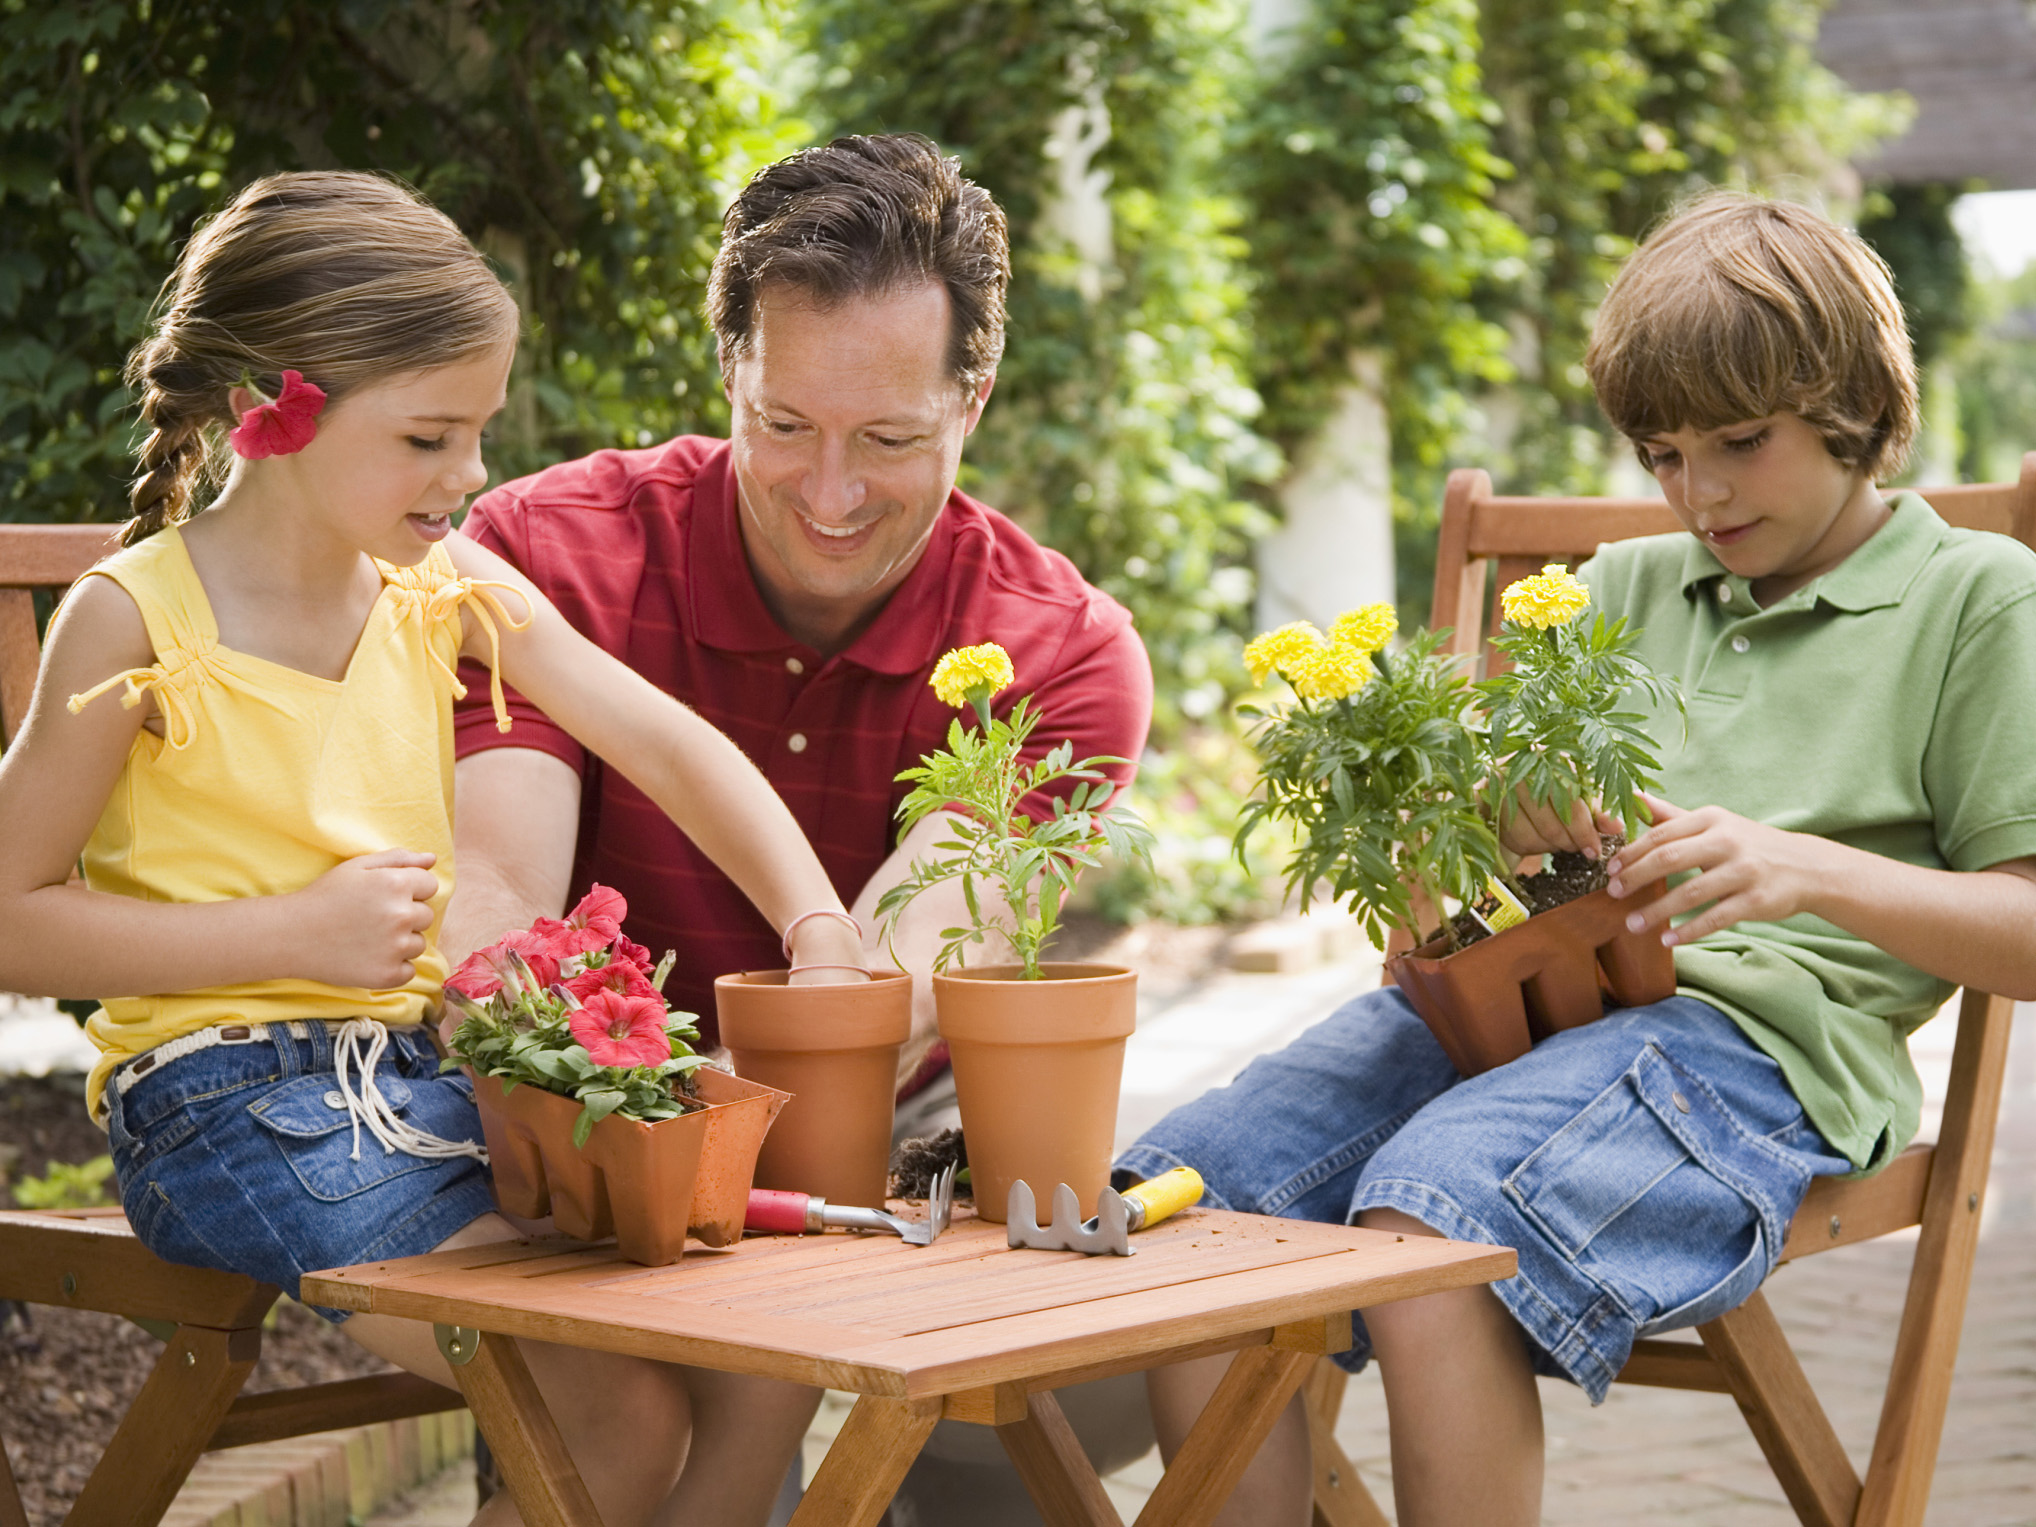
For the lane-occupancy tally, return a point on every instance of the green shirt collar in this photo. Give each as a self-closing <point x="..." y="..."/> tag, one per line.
<point x="1879" y="573"/>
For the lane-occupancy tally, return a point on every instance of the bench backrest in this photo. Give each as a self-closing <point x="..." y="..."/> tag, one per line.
<point x="36" y="557"/>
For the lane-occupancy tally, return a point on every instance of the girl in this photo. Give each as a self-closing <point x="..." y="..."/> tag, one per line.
<point x="264" y="816"/>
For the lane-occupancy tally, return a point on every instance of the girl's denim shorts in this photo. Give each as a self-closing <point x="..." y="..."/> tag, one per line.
<point x="240" y="1157"/>
<point x="1644" y="1167"/>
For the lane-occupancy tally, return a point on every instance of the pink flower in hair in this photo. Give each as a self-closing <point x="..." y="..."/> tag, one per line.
<point x="279" y="426"/>
<point x="623" y="1031"/>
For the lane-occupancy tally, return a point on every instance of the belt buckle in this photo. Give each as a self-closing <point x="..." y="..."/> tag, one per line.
<point x="238" y="1033"/>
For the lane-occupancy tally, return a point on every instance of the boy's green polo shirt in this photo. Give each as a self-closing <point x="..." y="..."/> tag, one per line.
<point x="1887" y="706"/>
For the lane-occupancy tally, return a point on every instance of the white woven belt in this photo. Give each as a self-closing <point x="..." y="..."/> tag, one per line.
<point x="190" y="1044"/>
<point x="358" y="1043"/>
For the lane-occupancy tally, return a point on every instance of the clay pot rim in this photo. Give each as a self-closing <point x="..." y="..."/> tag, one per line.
<point x="1057" y="971"/>
<point x="767" y="980"/>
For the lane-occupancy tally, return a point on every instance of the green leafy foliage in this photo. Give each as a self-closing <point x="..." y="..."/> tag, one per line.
<point x="586" y="146"/>
<point x="67" y="1185"/>
<point x="1554" y="727"/>
<point x="998" y="849"/>
<point x="1122" y="428"/>
<point x="1381" y="790"/>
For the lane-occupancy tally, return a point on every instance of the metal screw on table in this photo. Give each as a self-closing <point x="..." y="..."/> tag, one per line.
<point x="1335" y="1478"/>
<point x="1971" y="1202"/>
<point x="190" y="1359"/>
<point x="70" y="1284"/>
<point x="457" y="1343"/>
<point x="1834" y="1227"/>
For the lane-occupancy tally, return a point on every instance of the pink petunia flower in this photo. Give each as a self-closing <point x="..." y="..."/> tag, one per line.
<point x="619" y="1030"/>
<point x="279" y="426"/>
<point x="484" y="972"/>
<point x="624" y="977"/>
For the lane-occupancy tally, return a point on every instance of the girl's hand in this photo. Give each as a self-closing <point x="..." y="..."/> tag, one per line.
<point x="1534" y="828"/>
<point x="362" y="923"/>
<point x="1750" y="872"/>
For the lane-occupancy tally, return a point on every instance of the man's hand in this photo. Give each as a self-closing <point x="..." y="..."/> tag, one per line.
<point x="1750" y="872"/>
<point x="362" y="923"/>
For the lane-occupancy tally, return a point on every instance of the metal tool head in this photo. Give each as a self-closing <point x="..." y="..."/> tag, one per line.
<point x="1109" y="1231"/>
<point x="939" y="1210"/>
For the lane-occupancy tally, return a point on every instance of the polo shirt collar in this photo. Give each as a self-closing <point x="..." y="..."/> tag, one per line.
<point x="728" y="611"/>
<point x="1877" y="574"/>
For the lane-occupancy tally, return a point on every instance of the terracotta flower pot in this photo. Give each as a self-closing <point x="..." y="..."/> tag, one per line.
<point x="1037" y="1066"/>
<point x="834" y="1048"/>
<point x="1489" y="1003"/>
<point x="644" y="1184"/>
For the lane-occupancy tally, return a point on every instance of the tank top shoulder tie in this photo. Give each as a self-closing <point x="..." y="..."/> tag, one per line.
<point x="431" y="594"/>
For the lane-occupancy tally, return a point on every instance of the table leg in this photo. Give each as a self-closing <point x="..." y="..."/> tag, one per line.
<point x="1226" y="1437"/>
<point x="510" y="1412"/>
<point x="1057" y="1473"/>
<point x="867" y="1462"/>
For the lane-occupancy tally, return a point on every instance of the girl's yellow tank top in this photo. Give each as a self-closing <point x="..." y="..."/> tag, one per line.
<point x="266" y="777"/>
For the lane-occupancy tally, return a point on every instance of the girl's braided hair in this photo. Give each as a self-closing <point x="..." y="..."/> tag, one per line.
<point x="346" y="277"/>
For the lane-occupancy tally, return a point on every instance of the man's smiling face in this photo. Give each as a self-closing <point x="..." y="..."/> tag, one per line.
<point x="847" y="432"/>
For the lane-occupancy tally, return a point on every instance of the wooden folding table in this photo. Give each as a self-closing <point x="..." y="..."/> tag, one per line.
<point x="965" y="1328"/>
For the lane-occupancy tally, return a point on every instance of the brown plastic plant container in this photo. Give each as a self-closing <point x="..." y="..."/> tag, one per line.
<point x="1037" y="1068"/>
<point x="645" y="1184"/>
<point x="834" y="1048"/>
<point x="1492" y="1001"/>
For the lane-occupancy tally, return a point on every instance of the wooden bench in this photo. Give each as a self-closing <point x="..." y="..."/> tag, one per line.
<point x="210" y="1322"/>
<point x="1938" y="1187"/>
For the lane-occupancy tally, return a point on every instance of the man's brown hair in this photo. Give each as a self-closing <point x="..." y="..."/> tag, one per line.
<point x="862" y="217"/>
<point x="1738" y="307"/>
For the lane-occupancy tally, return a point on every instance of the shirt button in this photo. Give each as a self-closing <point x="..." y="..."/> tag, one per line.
<point x="796" y="742"/>
<point x="1740" y="644"/>
<point x="793" y="665"/>
<point x="1682" y="1104"/>
<point x="1724" y="594"/>
<point x="335" y="1100"/>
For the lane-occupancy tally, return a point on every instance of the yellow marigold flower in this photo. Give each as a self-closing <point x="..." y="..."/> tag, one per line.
<point x="1330" y="673"/>
<point x="1282" y="651"/>
<point x="966" y="669"/>
<point x="1367" y="628"/>
<point x="1551" y="597"/>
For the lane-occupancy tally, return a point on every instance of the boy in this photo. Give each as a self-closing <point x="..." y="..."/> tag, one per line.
<point x="1857" y="787"/>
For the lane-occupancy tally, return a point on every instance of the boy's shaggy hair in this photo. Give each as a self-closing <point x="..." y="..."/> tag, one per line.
<point x="1737" y="308"/>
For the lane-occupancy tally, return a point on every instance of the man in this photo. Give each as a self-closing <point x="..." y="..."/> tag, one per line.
<point x="797" y="582"/>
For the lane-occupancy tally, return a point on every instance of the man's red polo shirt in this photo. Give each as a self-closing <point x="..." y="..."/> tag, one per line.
<point x="641" y="551"/>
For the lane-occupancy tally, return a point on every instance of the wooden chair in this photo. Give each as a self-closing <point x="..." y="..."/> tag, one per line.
<point x="210" y="1322"/>
<point x="1937" y="1187"/>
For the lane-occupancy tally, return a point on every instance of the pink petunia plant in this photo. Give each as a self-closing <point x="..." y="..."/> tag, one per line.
<point x="571" y="1005"/>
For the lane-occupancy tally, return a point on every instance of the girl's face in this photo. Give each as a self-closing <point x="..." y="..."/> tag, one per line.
<point x="394" y="460"/>
<point x="1769" y="500"/>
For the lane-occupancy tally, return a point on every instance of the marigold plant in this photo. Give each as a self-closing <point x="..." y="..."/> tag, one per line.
<point x="1028" y="864"/>
<point x="1555" y="723"/>
<point x="1380" y="785"/>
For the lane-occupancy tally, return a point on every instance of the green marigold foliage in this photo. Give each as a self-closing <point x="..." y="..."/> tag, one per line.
<point x="997" y="849"/>
<point x="1122" y="426"/>
<point x="587" y="146"/>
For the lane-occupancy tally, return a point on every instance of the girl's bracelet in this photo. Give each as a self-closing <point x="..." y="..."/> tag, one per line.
<point x="818" y="912"/>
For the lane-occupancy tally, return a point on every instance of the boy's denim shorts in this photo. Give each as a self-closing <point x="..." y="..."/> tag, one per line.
<point x="240" y="1157"/>
<point x="1644" y="1167"/>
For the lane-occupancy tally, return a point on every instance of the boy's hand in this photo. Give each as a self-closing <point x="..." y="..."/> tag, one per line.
<point x="362" y="923"/>
<point x="1750" y="872"/>
<point x="1534" y="828"/>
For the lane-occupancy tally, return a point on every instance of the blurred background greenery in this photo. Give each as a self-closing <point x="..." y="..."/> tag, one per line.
<point x="1216" y="207"/>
